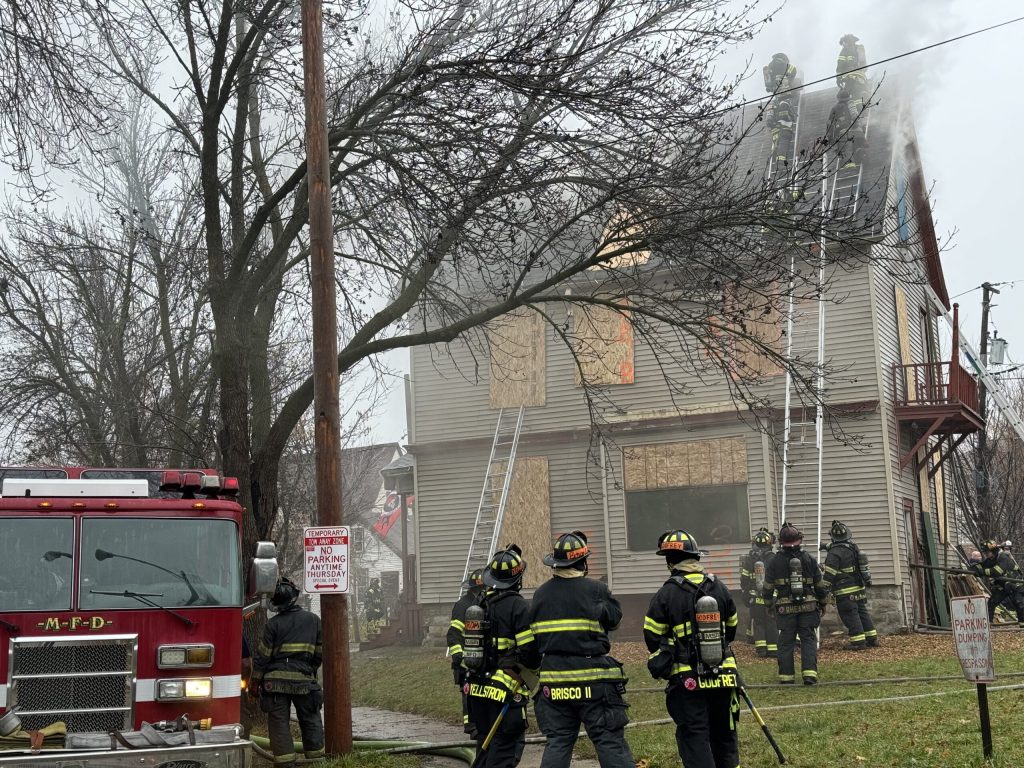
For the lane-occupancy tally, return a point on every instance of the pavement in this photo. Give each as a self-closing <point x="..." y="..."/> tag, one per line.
<point x="374" y="723"/>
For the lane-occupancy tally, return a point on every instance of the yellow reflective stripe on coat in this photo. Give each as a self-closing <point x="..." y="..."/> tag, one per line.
<point x="566" y="625"/>
<point x="456" y="624"/>
<point x="580" y="675"/>
<point x="453" y="649"/>
<point x="847" y="591"/>
<point x="296" y="648"/>
<point x="732" y="621"/>
<point x="683" y="630"/>
<point x="504" y="643"/>
<point x="509" y="682"/>
<point x="655" y="626"/>
<point x="524" y="637"/>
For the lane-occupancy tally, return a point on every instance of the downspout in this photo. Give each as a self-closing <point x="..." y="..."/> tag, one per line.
<point x="604" y="508"/>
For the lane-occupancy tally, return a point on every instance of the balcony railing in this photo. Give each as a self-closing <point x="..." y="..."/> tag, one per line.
<point x="928" y="384"/>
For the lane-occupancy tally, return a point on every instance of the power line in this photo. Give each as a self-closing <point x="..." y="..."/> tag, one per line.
<point x="883" y="61"/>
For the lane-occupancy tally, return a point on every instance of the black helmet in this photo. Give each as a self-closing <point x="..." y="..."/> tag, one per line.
<point x="506" y="568"/>
<point x="763" y="538"/>
<point x="790" y="535"/>
<point x="848" y="39"/>
<point x="990" y="544"/>
<point x="839" y="532"/>
<point x="285" y="594"/>
<point x="678" y="542"/>
<point x="843" y="95"/>
<point x="474" y="579"/>
<point x="781" y="57"/>
<point x="570" y="548"/>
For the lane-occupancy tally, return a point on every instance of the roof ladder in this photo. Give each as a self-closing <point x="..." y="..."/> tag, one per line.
<point x="805" y="340"/>
<point x="844" y="196"/>
<point x="494" y="495"/>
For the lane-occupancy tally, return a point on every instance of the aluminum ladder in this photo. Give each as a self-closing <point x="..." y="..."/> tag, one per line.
<point x="490" y="512"/>
<point x="802" y="437"/>
<point x="789" y="150"/>
<point x="844" y="196"/>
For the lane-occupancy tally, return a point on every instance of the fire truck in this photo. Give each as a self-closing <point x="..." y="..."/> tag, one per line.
<point x="121" y="608"/>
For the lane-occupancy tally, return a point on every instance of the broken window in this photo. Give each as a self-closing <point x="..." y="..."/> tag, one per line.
<point x="517" y="364"/>
<point x="699" y="486"/>
<point x="603" y="345"/>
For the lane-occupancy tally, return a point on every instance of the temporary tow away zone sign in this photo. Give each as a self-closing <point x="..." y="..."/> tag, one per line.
<point x="326" y="560"/>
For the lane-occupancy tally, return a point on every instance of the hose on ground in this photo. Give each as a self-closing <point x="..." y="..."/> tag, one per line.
<point x="460" y="750"/>
<point x="822" y="683"/>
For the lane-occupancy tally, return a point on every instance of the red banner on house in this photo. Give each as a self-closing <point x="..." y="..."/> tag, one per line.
<point x="391" y="513"/>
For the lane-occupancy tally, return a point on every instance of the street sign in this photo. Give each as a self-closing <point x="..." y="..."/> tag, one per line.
<point x="973" y="637"/>
<point x="325" y="554"/>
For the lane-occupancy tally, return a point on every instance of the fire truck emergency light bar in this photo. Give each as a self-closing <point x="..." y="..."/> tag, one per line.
<point x="13" y="487"/>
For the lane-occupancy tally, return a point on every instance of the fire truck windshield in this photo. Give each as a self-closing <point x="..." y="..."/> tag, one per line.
<point x="35" y="565"/>
<point x="180" y="562"/>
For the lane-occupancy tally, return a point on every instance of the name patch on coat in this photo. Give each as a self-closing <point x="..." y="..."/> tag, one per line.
<point x="567" y="692"/>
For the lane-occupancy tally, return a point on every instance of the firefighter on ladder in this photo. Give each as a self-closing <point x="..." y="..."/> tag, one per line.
<point x="752" y="582"/>
<point x="580" y="684"/>
<point x="847" y="575"/>
<point x="688" y="628"/>
<point x="474" y="586"/>
<point x="498" y="650"/>
<point x="795" y="579"/>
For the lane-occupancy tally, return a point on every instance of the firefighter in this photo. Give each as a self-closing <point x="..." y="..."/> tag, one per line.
<point x="374" y="602"/>
<point x="799" y="591"/>
<point x="496" y="692"/>
<point x="284" y="675"/>
<point x="752" y="581"/>
<point x="999" y="567"/>
<point x="851" y="74"/>
<point x="580" y="683"/>
<point x="844" y="131"/>
<point x="780" y="75"/>
<point x="847" y="575"/>
<point x="688" y="628"/>
<point x="474" y="589"/>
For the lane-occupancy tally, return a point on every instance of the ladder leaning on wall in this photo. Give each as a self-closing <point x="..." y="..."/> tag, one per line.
<point x="490" y="512"/>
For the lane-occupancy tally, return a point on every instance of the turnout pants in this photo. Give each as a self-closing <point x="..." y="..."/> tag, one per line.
<point x="307" y="709"/>
<point x="705" y="725"/>
<point x="509" y="741"/>
<point x="854" y="613"/>
<point x="1006" y="592"/>
<point x="766" y="633"/>
<point x="603" y="716"/>
<point x="792" y="625"/>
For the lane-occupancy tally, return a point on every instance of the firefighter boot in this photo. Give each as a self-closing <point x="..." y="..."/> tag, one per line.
<point x="873" y="642"/>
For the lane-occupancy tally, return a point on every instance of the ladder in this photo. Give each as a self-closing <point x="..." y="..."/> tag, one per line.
<point x="494" y="496"/>
<point x="993" y="387"/>
<point x="788" y="148"/>
<point x="844" y="195"/>
<point x="802" y="437"/>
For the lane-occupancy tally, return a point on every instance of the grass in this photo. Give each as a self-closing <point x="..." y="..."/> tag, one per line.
<point x="933" y="732"/>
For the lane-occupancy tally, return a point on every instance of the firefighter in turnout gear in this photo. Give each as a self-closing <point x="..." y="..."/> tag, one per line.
<point x="997" y="566"/>
<point x="845" y="130"/>
<point x="284" y="675"/>
<point x="474" y="586"/>
<point x="752" y="583"/>
<point x="496" y="692"/>
<point x="580" y="684"/>
<point x="780" y="75"/>
<point x="688" y="628"/>
<point x="851" y="74"/>
<point x="799" y="590"/>
<point x="847" y="575"/>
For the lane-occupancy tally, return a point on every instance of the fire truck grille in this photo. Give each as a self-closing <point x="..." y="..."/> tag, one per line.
<point x="86" y="683"/>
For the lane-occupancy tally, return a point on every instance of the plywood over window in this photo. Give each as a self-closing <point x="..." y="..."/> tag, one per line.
<point x="906" y="351"/>
<point x="758" y="325"/>
<point x="617" y="238"/>
<point x="680" y="465"/>
<point x="527" y="519"/>
<point x="517" y="364"/>
<point x="603" y="345"/>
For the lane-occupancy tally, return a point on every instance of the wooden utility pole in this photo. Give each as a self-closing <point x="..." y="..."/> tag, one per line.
<point x="981" y="460"/>
<point x="333" y="608"/>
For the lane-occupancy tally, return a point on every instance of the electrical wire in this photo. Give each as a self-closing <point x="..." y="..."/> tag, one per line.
<point x="877" y="63"/>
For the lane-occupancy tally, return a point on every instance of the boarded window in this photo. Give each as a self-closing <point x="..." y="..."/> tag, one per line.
<point x="699" y="486"/>
<point x="527" y="520"/>
<point x="757" y="322"/>
<point x="617" y="243"/>
<point x="603" y="345"/>
<point x="517" y="365"/>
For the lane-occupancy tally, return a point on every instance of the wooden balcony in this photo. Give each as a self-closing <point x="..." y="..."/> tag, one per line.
<point x="941" y="399"/>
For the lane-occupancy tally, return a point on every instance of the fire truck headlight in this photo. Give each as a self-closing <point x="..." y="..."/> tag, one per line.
<point x="176" y="690"/>
<point x="184" y="656"/>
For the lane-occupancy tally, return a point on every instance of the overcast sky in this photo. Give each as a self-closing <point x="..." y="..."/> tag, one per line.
<point x="970" y="123"/>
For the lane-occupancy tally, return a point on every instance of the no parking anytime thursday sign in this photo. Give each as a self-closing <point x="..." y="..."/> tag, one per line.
<point x="326" y="560"/>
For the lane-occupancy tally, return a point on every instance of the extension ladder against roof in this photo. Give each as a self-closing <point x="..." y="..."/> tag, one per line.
<point x="788" y="148"/>
<point x="844" y="189"/>
<point x="490" y="512"/>
<point x="802" y="436"/>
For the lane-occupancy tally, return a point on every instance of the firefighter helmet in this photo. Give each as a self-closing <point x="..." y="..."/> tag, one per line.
<point x="843" y="95"/>
<point x="763" y="539"/>
<point x="506" y="568"/>
<point x="474" y="579"/>
<point x="781" y="57"/>
<point x="848" y="39"/>
<point x="790" y="535"/>
<point x="678" y="542"/>
<point x="570" y="548"/>
<point x="839" y="531"/>
<point x="285" y="594"/>
<point x="1007" y="544"/>
<point x="990" y="544"/>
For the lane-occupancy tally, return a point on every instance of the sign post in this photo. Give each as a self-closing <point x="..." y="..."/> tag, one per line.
<point x="325" y="560"/>
<point x="973" y="637"/>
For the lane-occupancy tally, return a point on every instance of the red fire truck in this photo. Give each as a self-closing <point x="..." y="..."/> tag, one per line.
<point x="121" y="604"/>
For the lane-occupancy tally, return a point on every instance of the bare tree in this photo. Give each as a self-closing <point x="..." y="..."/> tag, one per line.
<point x="486" y="157"/>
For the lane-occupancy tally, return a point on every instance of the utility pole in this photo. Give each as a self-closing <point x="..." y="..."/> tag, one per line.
<point x="981" y="463"/>
<point x="327" y="436"/>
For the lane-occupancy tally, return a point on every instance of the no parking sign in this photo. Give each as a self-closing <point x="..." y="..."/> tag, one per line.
<point x="325" y="560"/>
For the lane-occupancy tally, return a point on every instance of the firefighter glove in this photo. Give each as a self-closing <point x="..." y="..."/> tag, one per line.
<point x="822" y="605"/>
<point x="457" y="671"/>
